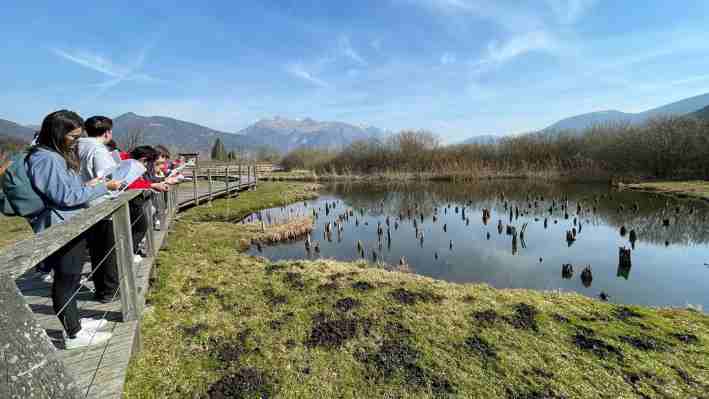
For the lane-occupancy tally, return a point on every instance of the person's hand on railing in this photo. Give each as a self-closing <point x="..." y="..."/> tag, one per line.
<point x="162" y="187"/>
<point x="113" y="185"/>
<point x="172" y="180"/>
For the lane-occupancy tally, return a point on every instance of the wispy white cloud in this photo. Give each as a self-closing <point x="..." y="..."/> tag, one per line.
<point x="299" y="70"/>
<point x="345" y="48"/>
<point x="499" y="52"/>
<point x="99" y="63"/>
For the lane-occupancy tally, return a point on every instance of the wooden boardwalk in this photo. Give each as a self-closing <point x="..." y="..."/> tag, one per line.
<point x="100" y="370"/>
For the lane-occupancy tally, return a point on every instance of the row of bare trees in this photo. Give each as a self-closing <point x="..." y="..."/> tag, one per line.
<point x="672" y="147"/>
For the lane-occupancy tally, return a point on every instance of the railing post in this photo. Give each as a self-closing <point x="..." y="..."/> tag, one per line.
<point x="226" y="180"/>
<point x="124" y="260"/>
<point x="239" y="184"/>
<point x="195" y="172"/>
<point x="150" y="234"/>
<point x="209" y="184"/>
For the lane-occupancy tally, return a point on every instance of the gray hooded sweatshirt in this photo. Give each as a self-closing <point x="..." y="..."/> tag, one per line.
<point x="95" y="158"/>
<point x="62" y="189"/>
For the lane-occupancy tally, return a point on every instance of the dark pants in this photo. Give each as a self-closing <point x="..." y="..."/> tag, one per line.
<point x="103" y="259"/>
<point x="139" y="221"/>
<point x="67" y="263"/>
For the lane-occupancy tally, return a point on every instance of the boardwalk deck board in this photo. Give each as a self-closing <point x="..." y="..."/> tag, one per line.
<point x="101" y="370"/>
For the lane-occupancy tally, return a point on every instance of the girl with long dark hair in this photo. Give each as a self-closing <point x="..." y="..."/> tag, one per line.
<point x="53" y="169"/>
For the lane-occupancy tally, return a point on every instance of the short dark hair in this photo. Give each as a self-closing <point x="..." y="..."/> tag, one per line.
<point x="145" y="151"/>
<point x="164" y="152"/>
<point x="98" y="125"/>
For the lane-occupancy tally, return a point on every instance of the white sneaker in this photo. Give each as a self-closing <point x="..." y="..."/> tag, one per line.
<point x="137" y="259"/>
<point x="93" y="324"/>
<point x="48" y="278"/>
<point x="86" y="338"/>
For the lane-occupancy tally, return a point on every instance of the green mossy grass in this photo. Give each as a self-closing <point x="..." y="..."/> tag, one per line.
<point x="683" y="189"/>
<point x="13" y="230"/>
<point x="225" y="324"/>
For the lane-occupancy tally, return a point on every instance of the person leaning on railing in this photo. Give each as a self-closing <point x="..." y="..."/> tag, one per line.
<point x="146" y="155"/>
<point x="96" y="162"/>
<point x="53" y="170"/>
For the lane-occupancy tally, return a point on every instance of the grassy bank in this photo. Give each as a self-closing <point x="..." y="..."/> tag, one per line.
<point x="224" y="324"/>
<point x="684" y="189"/>
<point x="13" y="229"/>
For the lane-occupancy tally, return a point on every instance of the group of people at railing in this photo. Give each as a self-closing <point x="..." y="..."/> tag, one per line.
<point x="69" y="168"/>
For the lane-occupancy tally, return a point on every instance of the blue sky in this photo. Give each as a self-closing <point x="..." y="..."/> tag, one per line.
<point x="457" y="67"/>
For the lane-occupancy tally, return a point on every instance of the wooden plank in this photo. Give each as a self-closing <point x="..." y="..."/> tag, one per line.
<point x="20" y="257"/>
<point x="124" y="261"/>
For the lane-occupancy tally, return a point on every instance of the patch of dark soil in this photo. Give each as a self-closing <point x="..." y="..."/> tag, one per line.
<point x="596" y="346"/>
<point x="486" y="318"/>
<point x="547" y="375"/>
<point x="623" y="313"/>
<point x="583" y="330"/>
<point x="689" y="339"/>
<point x="469" y="299"/>
<point x="294" y="280"/>
<point x="524" y="317"/>
<point x="328" y="287"/>
<point x="205" y="292"/>
<point x="194" y="329"/>
<point x="362" y="286"/>
<point x="396" y="357"/>
<point x="274" y="268"/>
<point x="533" y="394"/>
<point x="684" y="375"/>
<point x="346" y="304"/>
<point x="560" y="318"/>
<point x="407" y="297"/>
<point x="228" y="351"/>
<point x="247" y="382"/>
<point x="333" y="333"/>
<point x="336" y="276"/>
<point x="277" y="324"/>
<point x="481" y="347"/>
<point x="274" y="299"/>
<point x="644" y="343"/>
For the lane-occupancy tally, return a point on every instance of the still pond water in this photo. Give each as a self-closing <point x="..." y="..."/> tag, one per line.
<point x="668" y="260"/>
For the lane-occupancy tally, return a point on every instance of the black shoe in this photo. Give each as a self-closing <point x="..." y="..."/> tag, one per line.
<point x="108" y="298"/>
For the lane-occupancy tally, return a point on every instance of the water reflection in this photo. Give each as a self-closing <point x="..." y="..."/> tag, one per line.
<point x="518" y="234"/>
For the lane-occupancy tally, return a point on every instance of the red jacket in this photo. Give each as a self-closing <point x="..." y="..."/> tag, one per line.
<point x="141" y="184"/>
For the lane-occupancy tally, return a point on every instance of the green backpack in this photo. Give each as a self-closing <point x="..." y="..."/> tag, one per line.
<point x="18" y="197"/>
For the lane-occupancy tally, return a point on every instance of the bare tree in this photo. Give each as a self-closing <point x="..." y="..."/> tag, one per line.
<point x="135" y="138"/>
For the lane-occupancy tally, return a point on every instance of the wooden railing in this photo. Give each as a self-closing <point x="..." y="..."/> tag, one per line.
<point x="25" y="352"/>
<point x="27" y="359"/>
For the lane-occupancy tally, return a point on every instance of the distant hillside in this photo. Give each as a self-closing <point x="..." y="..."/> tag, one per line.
<point x="288" y="134"/>
<point x="583" y="121"/>
<point x="701" y="114"/>
<point x="12" y="129"/>
<point x="482" y="139"/>
<point x="174" y="133"/>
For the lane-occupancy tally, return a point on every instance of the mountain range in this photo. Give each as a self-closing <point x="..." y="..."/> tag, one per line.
<point x="281" y="134"/>
<point x="583" y="121"/>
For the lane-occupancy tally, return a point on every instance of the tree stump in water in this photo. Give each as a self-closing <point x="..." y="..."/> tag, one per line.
<point x="624" y="260"/>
